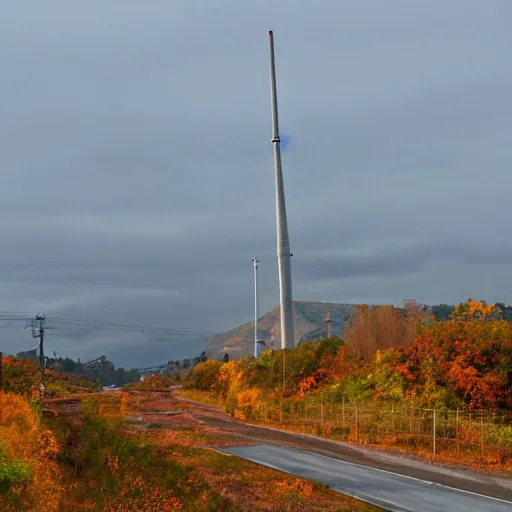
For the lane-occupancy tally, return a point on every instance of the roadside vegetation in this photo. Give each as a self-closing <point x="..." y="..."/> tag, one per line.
<point x="400" y="379"/>
<point x="22" y="376"/>
<point x="29" y="474"/>
<point x="85" y="452"/>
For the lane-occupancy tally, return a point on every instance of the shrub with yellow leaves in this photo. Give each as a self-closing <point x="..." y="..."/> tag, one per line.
<point x="36" y="483"/>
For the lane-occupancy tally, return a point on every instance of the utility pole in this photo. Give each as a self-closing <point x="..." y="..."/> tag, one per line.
<point x="1" y="372"/>
<point x="255" y="262"/>
<point x="328" y="323"/>
<point x="39" y="333"/>
<point x="283" y="240"/>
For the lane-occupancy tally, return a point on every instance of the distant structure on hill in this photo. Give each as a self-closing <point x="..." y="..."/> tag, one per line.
<point x="31" y="355"/>
<point x="173" y="366"/>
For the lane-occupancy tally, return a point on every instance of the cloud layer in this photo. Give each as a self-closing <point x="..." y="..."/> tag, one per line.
<point x="138" y="178"/>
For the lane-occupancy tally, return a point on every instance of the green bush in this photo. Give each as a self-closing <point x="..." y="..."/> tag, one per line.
<point x="12" y="471"/>
<point x="499" y="435"/>
<point x="204" y="376"/>
<point x="355" y="389"/>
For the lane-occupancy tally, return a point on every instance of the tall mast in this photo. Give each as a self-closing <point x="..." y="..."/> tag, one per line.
<point x="283" y="240"/>
<point x="255" y="262"/>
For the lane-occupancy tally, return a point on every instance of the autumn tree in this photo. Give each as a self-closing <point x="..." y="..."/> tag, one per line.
<point x="470" y="360"/>
<point x="475" y="310"/>
<point x="361" y="332"/>
<point x="383" y="327"/>
<point x="205" y="375"/>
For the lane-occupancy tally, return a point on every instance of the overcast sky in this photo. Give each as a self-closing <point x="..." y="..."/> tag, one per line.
<point x="137" y="171"/>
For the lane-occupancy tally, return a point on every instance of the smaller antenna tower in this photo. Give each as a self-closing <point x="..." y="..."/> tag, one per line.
<point x="328" y="323"/>
<point x="255" y="262"/>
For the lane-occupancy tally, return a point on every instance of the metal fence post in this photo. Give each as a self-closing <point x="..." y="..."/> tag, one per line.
<point x="357" y="425"/>
<point x="434" y="434"/>
<point x="410" y="422"/>
<point x="321" y="409"/>
<point x="343" y="414"/>
<point x="482" y="433"/>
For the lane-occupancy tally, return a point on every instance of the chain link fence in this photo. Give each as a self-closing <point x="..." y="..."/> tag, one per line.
<point x="472" y="435"/>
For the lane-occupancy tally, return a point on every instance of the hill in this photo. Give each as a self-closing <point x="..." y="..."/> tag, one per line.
<point x="309" y="319"/>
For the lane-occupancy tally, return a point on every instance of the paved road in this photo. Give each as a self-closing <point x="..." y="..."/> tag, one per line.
<point x="394" y="492"/>
<point x="487" y="483"/>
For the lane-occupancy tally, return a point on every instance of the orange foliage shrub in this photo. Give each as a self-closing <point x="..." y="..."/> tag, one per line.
<point x="20" y="375"/>
<point x="47" y="444"/>
<point x="246" y="402"/>
<point x="312" y="381"/>
<point x="228" y="373"/>
<point x="123" y="404"/>
<point x="306" y="385"/>
<point x="18" y="425"/>
<point x="472" y="359"/>
<point x="23" y="442"/>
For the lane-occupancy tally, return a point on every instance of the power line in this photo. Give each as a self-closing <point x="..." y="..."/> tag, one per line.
<point x="133" y="328"/>
<point x="8" y="316"/>
<point x="16" y="318"/>
<point x="16" y="313"/>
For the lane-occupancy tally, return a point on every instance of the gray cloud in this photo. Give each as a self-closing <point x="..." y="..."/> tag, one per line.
<point x="399" y="261"/>
<point x="137" y="173"/>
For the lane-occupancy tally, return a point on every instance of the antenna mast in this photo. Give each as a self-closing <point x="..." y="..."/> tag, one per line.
<point x="256" y="306"/>
<point x="328" y="323"/>
<point x="283" y="240"/>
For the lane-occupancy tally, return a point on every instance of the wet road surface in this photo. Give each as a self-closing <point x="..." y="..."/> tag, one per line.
<point x="386" y="489"/>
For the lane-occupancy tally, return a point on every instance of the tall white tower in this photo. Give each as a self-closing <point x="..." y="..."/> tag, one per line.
<point x="283" y="240"/>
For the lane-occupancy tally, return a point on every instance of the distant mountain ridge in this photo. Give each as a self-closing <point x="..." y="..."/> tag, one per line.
<point x="310" y="323"/>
